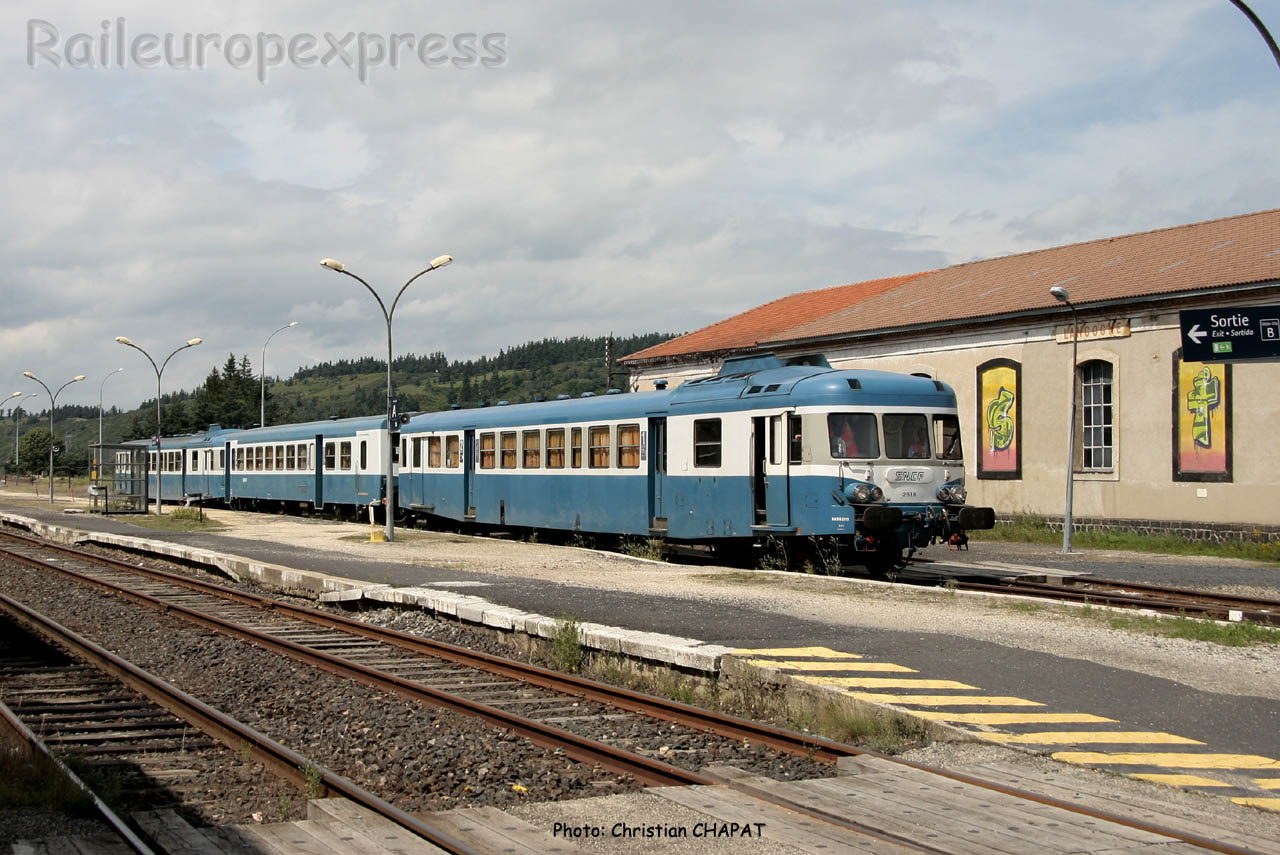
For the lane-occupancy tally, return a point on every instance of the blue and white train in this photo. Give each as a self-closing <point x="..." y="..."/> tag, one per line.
<point x="860" y="465"/>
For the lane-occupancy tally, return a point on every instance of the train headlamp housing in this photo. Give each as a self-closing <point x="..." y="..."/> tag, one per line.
<point x="862" y="493"/>
<point x="952" y="494"/>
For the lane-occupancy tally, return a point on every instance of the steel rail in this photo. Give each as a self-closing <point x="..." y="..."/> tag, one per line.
<point x="644" y="769"/>
<point x="744" y="787"/>
<point x="823" y="750"/>
<point x="232" y="733"/>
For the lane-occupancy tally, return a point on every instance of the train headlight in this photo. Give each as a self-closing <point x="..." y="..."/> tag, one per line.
<point x="862" y="493"/>
<point x="958" y="495"/>
<point x="877" y="494"/>
<point x="944" y="494"/>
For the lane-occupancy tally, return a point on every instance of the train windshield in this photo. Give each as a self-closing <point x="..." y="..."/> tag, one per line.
<point x="853" y="436"/>
<point x="906" y="436"/>
<point x="946" y="437"/>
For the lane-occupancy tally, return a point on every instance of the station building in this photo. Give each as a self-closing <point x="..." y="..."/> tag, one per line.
<point x="1160" y="444"/>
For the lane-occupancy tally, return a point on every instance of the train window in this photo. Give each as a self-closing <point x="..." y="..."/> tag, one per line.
<point x="280" y="457"/>
<point x="532" y="446"/>
<point x="271" y="459"/>
<point x="508" y="449"/>
<point x="906" y="436"/>
<point x="239" y="460"/>
<point x="291" y="457"/>
<point x="555" y="448"/>
<point x="344" y="456"/>
<point x="598" y="443"/>
<point x="330" y="455"/>
<point x="151" y="461"/>
<point x="629" y="446"/>
<point x="304" y="456"/>
<point x="488" y="451"/>
<point x="451" y="452"/>
<point x="576" y="450"/>
<point x="795" y="430"/>
<point x="853" y="436"/>
<point x="364" y="455"/>
<point x="195" y="461"/>
<point x="946" y="438"/>
<point x="222" y="459"/>
<point x="433" y="452"/>
<point x="706" y="442"/>
<point x="775" y="440"/>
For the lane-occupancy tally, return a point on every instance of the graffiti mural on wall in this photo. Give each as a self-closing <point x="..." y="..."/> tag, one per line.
<point x="999" y="419"/>
<point x="1201" y="420"/>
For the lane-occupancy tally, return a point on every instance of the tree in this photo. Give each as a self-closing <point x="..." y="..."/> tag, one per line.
<point x="33" y="450"/>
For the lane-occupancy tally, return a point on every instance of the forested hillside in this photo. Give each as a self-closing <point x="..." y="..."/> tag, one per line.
<point x="230" y="394"/>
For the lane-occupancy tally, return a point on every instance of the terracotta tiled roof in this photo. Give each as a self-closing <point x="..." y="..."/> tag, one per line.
<point x="746" y="330"/>
<point x="1232" y="251"/>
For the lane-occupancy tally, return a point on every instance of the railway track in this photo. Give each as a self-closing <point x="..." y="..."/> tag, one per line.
<point x="1134" y="595"/>
<point x="497" y="690"/>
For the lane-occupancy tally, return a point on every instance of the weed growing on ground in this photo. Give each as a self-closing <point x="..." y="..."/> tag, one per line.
<point x="774" y="555"/>
<point x="35" y="781"/>
<point x="314" y="783"/>
<point x="886" y="732"/>
<point x="565" y="650"/>
<point x="653" y="548"/>
<point x="1239" y="634"/>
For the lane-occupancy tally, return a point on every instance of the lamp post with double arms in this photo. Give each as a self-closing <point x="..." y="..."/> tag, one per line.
<point x="388" y="467"/>
<point x="53" y="402"/>
<point x="1063" y="296"/>
<point x="262" y="399"/>
<point x="102" y="386"/>
<point x="159" y="371"/>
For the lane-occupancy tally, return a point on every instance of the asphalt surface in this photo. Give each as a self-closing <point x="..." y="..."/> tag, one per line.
<point x="1236" y="724"/>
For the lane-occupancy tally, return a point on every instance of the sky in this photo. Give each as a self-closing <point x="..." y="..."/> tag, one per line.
<point x="592" y="167"/>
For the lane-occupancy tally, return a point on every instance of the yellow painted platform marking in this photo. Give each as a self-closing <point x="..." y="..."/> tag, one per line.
<point x="1173" y="761"/>
<point x="944" y="700"/>
<point x="1183" y="780"/>
<point x="797" y="651"/>
<point x="1012" y="718"/>
<point x="1269" y="804"/>
<point x="1268" y="783"/>
<point x="792" y="665"/>
<point x="881" y="682"/>
<point x="1082" y="737"/>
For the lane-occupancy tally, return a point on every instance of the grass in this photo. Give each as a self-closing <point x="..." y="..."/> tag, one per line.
<point x="33" y="781"/>
<point x="176" y="519"/>
<point x="1033" y="528"/>
<point x="651" y="549"/>
<point x="1236" y="634"/>
<point x="565" y="651"/>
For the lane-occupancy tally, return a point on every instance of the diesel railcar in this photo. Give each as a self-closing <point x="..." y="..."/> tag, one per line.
<point x="851" y="465"/>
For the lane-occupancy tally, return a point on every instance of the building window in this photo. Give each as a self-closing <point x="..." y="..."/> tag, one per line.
<point x="576" y="437"/>
<point x="598" y="447"/>
<point x="706" y="442"/>
<point x="487" y="451"/>
<point x="508" y="449"/>
<point x="629" y="446"/>
<point x="555" y="448"/>
<point x="451" y="452"/>
<point x="1097" y="439"/>
<point x="532" y="440"/>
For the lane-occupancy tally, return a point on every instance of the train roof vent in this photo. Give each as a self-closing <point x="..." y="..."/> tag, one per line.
<point x="660" y="384"/>
<point x="614" y="392"/>
<point x="538" y="399"/>
<point x="563" y="397"/>
<point x="772" y="387"/>
<point x="937" y="384"/>
<point x="455" y="406"/>
<point x="754" y="389"/>
<point x="502" y="403"/>
<point x="214" y="428"/>
<point x="855" y="383"/>
<point x="588" y="395"/>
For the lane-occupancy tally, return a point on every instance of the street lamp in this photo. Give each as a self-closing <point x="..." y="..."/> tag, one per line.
<point x="388" y="469"/>
<point x="53" y="402"/>
<point x="101" y="386"/>
<point x="262" y="405"/>
<point x="1063" y="296"/>
<point x="159" y="463"/>
<point x="14" y="411"/>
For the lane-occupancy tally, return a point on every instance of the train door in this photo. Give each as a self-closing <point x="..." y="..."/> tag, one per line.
<point x="226" y="471"/>
<point x="657" y="474"/>
<point x="468" y="475"/>
<point x="771" y="481"/>
<point x="317" y="456"/>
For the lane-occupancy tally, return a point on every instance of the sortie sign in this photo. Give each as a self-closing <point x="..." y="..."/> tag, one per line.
<point x="1230" y="335"/>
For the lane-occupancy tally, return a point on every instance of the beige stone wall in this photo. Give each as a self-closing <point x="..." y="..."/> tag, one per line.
<point x="1141" y="485"/>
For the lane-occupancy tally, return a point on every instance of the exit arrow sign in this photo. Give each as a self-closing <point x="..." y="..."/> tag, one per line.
<point x="1236" y="334"/>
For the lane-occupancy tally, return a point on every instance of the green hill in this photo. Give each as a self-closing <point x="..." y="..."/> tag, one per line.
<point x="230" y="394"/>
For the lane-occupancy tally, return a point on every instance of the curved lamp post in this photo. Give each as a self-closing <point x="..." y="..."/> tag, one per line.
<point x="14" y="412"/>
<point x="159" y="463"/>
<point x="53" y="402"/>
<point x="388" y="469"/>
<point x="1063" y="296"/>
<point x="262" y="400"/>
<point x="101" y="386"/>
